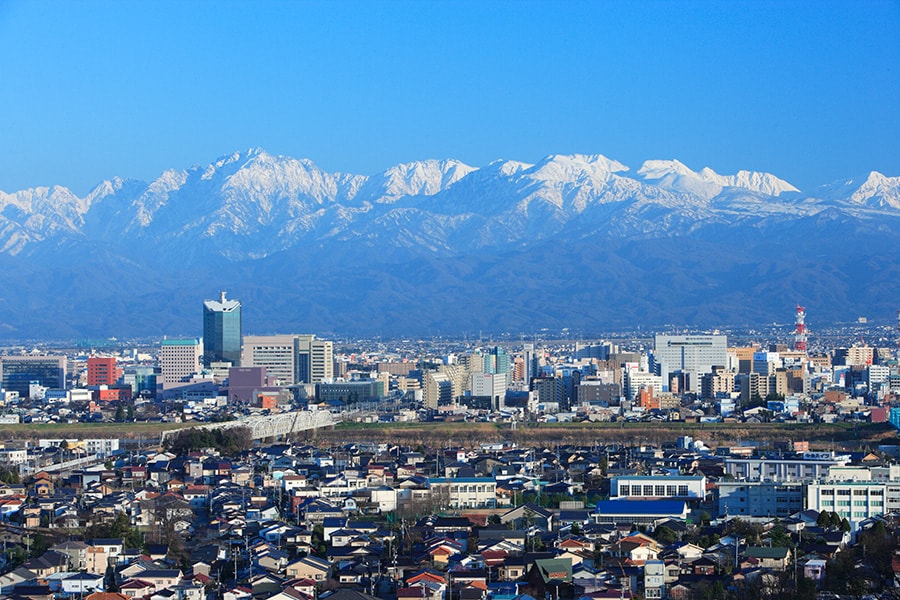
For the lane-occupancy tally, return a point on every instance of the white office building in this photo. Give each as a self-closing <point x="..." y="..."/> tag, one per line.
<point x="657" y="487"/>
<point x="806" y="467"/>
<point x="854" y="500"/>
<point x="694" y="355"/>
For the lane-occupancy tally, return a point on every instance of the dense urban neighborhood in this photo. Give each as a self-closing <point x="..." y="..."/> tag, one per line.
<point x="232" y="466"/>
<point x="236" y="519"/>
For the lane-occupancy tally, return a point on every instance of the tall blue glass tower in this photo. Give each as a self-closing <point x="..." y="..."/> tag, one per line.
<point x="222" y="331"/>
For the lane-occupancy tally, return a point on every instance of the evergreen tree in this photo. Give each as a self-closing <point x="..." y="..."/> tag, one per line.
<point x="9" y="476"/>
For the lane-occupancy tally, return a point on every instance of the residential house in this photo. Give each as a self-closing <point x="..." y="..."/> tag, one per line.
<point x="309" y="567"/>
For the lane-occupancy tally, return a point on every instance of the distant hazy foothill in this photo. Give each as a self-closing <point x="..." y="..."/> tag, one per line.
<point x="440" y="247"/>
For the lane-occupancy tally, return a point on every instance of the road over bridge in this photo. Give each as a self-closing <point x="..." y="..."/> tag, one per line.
<point x="266" y="426"/>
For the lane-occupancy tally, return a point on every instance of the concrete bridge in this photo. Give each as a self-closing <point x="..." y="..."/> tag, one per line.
<point x="266" y="426"/>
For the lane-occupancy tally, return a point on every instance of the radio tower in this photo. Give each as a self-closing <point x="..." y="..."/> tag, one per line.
<point x="800" y="335"/>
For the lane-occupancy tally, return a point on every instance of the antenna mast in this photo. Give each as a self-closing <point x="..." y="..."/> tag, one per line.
<point x="800" y="325"/>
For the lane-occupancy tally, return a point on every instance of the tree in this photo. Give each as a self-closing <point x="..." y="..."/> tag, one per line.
<point x="878" y="548"/>
<point x="845" y="525"/>
<point x="16" y="555"/>
<point x="779" y="537"/>
<point x="805" y="590"/>
<point x="39" y="545"/>
<point x="9" y="476"/>
<point x="229" y="442"/>
<point x="119" y="527"/>
<point x="665" y="535"/>
<point x="109" y="580"/>
<point x="120" y="413"/>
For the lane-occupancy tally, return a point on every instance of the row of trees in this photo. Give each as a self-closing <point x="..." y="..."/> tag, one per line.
<point x="229" y="442"/>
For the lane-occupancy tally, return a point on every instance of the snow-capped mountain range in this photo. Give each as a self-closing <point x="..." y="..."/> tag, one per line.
<point x="251" y="220"/>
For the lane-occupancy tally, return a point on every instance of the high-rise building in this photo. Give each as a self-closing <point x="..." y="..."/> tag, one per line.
<point x="438" y="389"/>
<point x="717" y="382"/>
<point x="179" y="359"/>
<point x="17" y="373"/>
<point x="490" y="385"/>
<point x="142" y="379"/>
<point x="315" y="359"/>
<point x="529" y="360"/>
<point x="222" y="331"/>
<point x="102" y="370"/>
<point x="692" y="355"/>
<point x="765" y="363"/>
<point x="274" y="352"/>
<point x="292" y="359"/>
<point x="496" y="361"/>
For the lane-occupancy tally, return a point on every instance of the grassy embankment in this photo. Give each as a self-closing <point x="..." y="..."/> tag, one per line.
<point x="839" y="436"/>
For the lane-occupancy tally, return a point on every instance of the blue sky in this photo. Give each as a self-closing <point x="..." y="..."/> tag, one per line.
<point x="809" y="91"/>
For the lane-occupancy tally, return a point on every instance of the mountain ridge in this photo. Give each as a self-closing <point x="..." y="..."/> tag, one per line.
<point x="250" y="219"/>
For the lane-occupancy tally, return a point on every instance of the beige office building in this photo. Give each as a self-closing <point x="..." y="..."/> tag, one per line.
<point x="291" y="359"/>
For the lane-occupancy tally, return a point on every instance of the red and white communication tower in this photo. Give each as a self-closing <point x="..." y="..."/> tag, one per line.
<point x="800" y="335"/>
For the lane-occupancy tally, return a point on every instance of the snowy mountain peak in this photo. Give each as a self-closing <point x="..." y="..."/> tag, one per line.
<point x="765" y="183"/>
<point x="878" y="191"/>
<point x="596" y="163"/>
<point x="422" y="178"/>
<point x="507" y="168"/>
<point x="675" y="174"/>
<point x="657" y="169"/>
